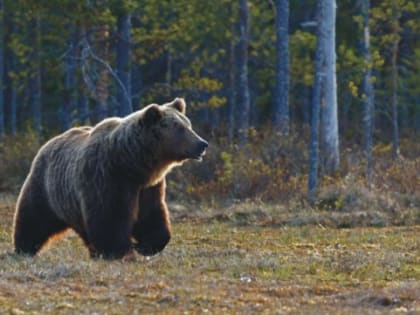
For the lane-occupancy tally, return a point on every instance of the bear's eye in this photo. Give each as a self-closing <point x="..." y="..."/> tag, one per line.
<point x="180" y="130"/>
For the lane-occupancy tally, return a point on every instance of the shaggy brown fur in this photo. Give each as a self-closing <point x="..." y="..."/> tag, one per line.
<point x="107" y="182"/>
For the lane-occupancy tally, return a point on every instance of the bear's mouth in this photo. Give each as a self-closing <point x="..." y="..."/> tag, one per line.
<point x="200" y="156"/>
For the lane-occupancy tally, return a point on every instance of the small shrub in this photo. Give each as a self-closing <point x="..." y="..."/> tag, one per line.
<point x="270" y="167"/>
<point x="273" y="169"/>
<point x="16" y="155"/>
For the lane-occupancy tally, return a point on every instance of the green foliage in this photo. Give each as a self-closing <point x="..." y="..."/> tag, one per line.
<point x="302" y="48"/>
<point x="182" y="48"/>
<point x="392" y="22"/>
<point x="195" y="36"/>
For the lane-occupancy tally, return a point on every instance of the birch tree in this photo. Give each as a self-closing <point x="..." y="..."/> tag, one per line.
<point x="324" y="100"/>
<point x="281" y="100"/>
<point x="330" y="158"/>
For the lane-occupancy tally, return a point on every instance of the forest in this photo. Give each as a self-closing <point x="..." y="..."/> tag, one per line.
<point x="308" y="199"/>
<point x="246" y="70"/>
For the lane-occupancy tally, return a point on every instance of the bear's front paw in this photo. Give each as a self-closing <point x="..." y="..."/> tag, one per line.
<point x="146" y="250"/>
<point x="150" y="248"/>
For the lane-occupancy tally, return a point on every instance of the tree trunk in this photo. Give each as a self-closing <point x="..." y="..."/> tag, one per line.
<point x="83" y="112"/>
<point x="136" y="85"/>
<point x="329" y="118"/>
<point x="281" y="101"/>
<point x="316" y="104"/>
<point x="243" y="89"/>
<point x="306" y="105"/>
<point x="232" y="94"/>
<point x="13" y="108"/>
<point x="36" y="77"/>
<point x="123" y="64"/>
<point x="346" y="121"/>
<point x="102" y="83"/>
<point x="168" y="75"/>
<point x="232" y="86"/>
<point x="368" y="90"/>
<point x="2" y="111"/>
<point x="12" y="118"/>
<point x="69" y="86"/>
<point x="417" y="119"/>
<point x="214" y="119"/>
<point x="394" y="76"/>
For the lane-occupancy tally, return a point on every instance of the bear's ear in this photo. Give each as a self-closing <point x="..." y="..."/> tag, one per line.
<point x="178" y="104"/>
<point x="152" y="115"/>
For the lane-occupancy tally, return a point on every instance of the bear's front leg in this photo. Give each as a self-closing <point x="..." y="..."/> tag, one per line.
<point x="108" y="239"/>
<point x="109" y="229"/>
<point x="152" y="231"/>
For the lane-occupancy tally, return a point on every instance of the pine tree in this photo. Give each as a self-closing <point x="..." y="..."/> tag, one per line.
<point x="243" y="88"/>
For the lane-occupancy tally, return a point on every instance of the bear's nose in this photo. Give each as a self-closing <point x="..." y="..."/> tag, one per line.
<point x="203" y="145"/>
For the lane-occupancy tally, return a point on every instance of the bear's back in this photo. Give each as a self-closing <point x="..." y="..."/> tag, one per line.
<point x="66" y="143"/>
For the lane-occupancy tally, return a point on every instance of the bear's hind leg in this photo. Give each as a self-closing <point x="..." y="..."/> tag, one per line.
<point x="34" y="224"/>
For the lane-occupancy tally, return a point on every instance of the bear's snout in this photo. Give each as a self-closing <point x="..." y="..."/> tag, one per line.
<point x="203" y="145"/>
<point x="201" y="149"/>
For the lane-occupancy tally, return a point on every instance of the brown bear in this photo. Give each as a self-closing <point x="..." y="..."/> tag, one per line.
<point x="107" y="183"/>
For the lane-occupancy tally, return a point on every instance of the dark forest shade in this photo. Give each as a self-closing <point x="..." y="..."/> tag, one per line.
<point x="123" y="64"/>
<point x="69" y="102"/>
<point x="36" y="80"/>
<point x="12" y="82"/>
<point x="2" y="110"/>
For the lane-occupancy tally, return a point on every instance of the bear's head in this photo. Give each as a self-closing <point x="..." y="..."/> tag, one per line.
<point x="170" y="130"/>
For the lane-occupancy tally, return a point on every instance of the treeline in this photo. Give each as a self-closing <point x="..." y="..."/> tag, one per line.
<point x="239" y="64"/>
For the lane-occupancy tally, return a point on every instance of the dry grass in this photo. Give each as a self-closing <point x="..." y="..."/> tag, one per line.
<point x="237" y="263"/>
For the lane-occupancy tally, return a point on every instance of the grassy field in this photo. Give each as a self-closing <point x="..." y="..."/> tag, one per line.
<point x="222" y="264"/>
